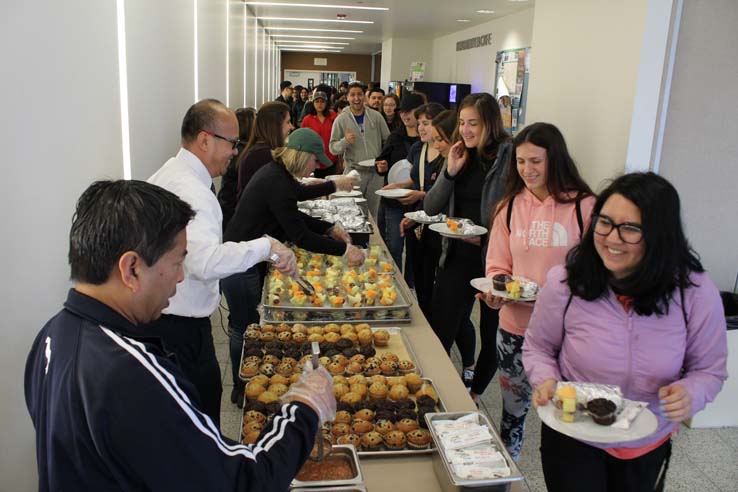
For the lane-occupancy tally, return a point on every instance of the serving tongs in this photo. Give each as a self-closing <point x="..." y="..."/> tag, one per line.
<point x="321" y="443"/>
<point x="306" y="286"/>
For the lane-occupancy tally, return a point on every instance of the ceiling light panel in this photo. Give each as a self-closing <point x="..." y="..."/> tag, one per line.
<point x="307" y="37"/>
<point x="310" y="29"/>
<point x="318" y="6"/>
<point x="310" y="50"/>
<point x="297" y="41"/>
<point x="309" y="19"/>
<point x="311" y="46"/>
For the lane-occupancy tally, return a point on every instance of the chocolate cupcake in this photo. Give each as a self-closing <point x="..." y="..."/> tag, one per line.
<point x="499" y="281"/>
<point x="368" y="351"/>
<point x="344" y="343"/>
<point x="602" y="411"/>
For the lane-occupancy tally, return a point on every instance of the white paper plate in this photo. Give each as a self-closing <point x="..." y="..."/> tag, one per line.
<point x="393" y="193"/>
<point x="484" y="284"/>
<point x="442" y="229"/>
<point x="366" y="163"/>
<point x="585" y="429"/>
<point x="346" y="194"/>
<point x="311" y="180"/>
<point x="399" y="172"/>
<point x="414" y="216"/>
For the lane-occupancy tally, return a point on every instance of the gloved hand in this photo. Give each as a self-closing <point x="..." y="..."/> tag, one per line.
<point x="283" y="258"/>
<point x="344" y="183"/>
<point x="354" y="255"/>
<point x="315" y="388"/>
<point x="339" y="233"/>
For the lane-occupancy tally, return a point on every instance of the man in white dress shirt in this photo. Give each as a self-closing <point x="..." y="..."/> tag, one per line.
<point x="209" y="140"/>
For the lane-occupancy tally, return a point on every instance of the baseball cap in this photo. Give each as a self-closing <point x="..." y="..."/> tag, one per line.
<point x="320" y="95"/>
<point x="306" y="140"/>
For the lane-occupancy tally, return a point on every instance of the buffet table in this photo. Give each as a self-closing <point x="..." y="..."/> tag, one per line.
<point x="416" y="472"/>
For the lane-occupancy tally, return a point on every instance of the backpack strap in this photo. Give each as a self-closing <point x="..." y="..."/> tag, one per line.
<point x="566" y="308"/>
<point x="509" y="212"/>
<point x="580" y="221"/>
<point x="684" y="307"/>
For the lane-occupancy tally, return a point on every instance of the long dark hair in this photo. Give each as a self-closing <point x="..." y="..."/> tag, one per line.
<point x="267" y="128"/>
<point x="445" y="124"/>
<point x="563" y="178"/>
<point x="668" y="259"/>
<point x="493" y="131"/>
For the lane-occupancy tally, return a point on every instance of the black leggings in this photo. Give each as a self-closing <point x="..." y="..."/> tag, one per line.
<point x="453" y="299"/>
<point x="573" y="466"/>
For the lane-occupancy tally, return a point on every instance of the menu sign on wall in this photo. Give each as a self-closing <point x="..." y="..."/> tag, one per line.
<point x="476" y="42"/>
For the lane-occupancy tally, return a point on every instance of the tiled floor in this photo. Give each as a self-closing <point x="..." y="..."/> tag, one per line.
<point x="703" y="460"/>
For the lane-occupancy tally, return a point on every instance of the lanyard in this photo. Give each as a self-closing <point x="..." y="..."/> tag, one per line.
<point x="422" y="166"/>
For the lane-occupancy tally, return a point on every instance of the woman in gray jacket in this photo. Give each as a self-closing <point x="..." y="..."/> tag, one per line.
<point x="469" y="186"/>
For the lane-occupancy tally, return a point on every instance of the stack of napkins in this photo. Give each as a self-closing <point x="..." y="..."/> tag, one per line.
<point x="469" y="450"/>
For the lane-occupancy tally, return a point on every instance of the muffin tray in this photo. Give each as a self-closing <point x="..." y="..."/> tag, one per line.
<point x="380" y="452"/>
<point x="398" y="344"/>
<point x="286" y="312"/>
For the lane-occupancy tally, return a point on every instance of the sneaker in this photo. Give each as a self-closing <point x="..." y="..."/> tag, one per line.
<point x="467" y="376"/>
<point x="237" y="396"/>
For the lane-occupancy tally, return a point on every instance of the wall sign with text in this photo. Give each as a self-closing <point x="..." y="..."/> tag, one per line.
<point x="476" y="42"/>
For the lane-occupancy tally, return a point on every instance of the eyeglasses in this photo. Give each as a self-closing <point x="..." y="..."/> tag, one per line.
<point x="628" y="233"/>
<point x="233" y="141"/>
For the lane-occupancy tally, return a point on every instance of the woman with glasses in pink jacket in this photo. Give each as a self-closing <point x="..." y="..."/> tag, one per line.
<point x="633" y="307"/>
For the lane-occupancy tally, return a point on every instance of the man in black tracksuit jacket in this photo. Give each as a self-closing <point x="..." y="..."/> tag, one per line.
<point x="111" y="410"/>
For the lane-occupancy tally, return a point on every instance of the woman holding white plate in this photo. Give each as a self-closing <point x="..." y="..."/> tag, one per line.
<point x="469" y="186"/>
<point x="545" y="209"/>
<point x="633" y="307"/>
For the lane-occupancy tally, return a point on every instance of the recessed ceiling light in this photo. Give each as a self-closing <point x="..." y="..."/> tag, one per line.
<point x="296" y="41"/>
<point x="309" y="37"/>
<point x="309" y="49"/>
<point x="316" y="46"/>
<point x="309" y="29"/>
<point x="463" y="20"/>
<point x="319" y="6"/>
<point x="306" y="19"/>
<point x="485" y="11"/>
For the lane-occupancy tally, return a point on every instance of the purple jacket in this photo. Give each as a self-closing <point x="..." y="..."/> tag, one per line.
<point x="605" y="344"/>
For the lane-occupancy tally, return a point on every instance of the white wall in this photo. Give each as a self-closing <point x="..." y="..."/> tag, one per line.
<point x="477" y="65"/>
<point x="161" y="78"/>
<point x="583" y="77"/>
<point x="399" y="53"/>
<point x="700" y="139"/>
<point x="61" y="130"/>
<point x="385" y="68"/>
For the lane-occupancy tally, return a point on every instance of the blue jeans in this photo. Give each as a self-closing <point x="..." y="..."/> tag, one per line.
<point x="243" y="293"/>
<point x="389" y="227"/>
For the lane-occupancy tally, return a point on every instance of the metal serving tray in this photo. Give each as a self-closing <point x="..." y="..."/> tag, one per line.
<point x="394" y="331"/>
<point x="409" y="452"/>
<point x="340" y="452"/>
<point x="399" y="312"/>
<point x="450" y="482"/>
<point x="348" y="488"/>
